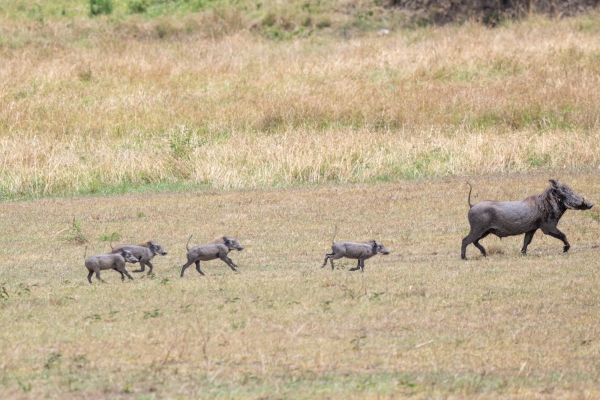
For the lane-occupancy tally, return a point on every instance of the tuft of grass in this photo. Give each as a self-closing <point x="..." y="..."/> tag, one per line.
<point x="112" y="237"/>
<point x="99" y="7"/>
<point x="137" y="6"/>
<point x="75" y="233"/>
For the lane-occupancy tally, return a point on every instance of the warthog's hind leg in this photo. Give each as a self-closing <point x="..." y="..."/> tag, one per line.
<point x="473" y="237"/>
<point x="327" y="256"/>
<point x="198" y="268"/>
<point x="187" y="264"/>
<point x="90" y="275"/>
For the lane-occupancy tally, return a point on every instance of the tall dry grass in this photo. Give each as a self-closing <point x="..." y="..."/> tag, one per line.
<point x="79" y="113"/>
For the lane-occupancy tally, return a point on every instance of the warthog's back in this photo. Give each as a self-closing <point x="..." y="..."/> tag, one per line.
<point x="353" y="250"/>
<point x="137" y="251"/>
<point x="504" y="218"/>
<point x="104" y="261"/>
<point x="207" y="252"/>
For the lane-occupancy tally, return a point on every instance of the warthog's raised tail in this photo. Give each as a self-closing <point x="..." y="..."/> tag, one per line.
<point x="111" y="239"/>
<point x="469" y="199"/>
<point x="187" y="245"/>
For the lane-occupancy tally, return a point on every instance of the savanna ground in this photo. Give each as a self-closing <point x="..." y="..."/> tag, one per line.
<point x="275" y="123"/>
<point x="420" y="322"/>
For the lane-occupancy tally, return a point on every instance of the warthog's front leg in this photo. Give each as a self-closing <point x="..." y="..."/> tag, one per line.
<point x="559" y="235"/>
<point x="98" y="277"/>
<point x="527" y="240"/>
<point x="142" y="267"/>
<point x="357" y="266"/>
<point x="150" y="266"/>
<point x="90" y="275"/>
<point x="124" y="271"/>
<point x="360" y="265"/>
<point x="228" y="261"/>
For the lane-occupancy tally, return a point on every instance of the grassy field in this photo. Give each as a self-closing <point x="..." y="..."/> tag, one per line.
<point x="418" y="323"/>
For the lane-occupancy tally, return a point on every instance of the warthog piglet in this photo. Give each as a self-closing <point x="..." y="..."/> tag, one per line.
<point x="114" y="261"/>
<point x="211" y="251"/>
<point x="355" y="251"/>
<point x="143" y="252"/>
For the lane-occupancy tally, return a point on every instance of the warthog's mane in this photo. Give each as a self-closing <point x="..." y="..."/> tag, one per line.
<point x="549" y="200"/>
<point x="145" y="244"/>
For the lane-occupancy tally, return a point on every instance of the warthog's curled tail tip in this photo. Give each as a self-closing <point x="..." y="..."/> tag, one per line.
<point x="188" y="242"/>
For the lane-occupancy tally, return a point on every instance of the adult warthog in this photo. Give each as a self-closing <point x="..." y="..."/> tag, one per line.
<point x="509" y="218"/>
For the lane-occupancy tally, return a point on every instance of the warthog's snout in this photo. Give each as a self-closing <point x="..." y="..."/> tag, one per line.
<point x="584" y="205"/>
<point x="240" y="248"/>
<point x="587" y="204"/>
<point x="385" y="252"/>
<point x="129" y="257"/>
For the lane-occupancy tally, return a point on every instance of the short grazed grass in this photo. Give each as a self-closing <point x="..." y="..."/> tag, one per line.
<point x="418" y="323"/>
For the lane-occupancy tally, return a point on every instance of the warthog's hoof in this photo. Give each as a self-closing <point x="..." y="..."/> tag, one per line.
<point x="566" y="248"/>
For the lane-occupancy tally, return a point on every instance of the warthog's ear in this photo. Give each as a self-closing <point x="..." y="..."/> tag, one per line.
<point x="553" y="183"/>
<point x="226" y="240"/>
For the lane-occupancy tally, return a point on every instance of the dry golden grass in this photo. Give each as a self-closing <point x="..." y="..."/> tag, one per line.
<point x="418" y="323"/>
<point x="83" y="107"/>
